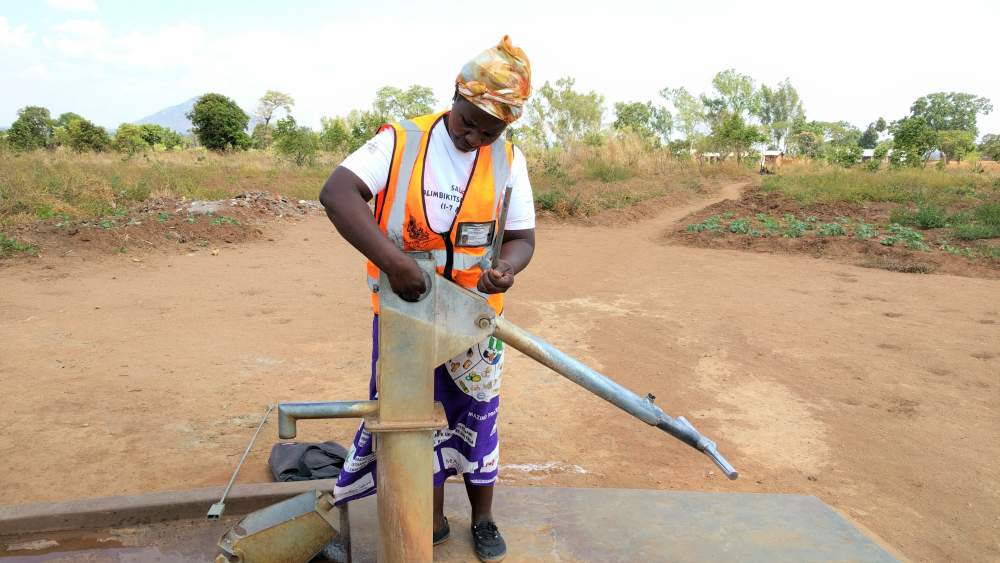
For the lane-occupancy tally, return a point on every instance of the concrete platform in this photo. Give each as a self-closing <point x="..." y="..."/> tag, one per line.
<point x="540" y="524"/>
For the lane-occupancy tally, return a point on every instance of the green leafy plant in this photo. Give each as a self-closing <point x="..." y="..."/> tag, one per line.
<point x="771" y="225"/>
<point x="740" y="226"/>
<point x="910" y="238"/>
<point x="711" y="224"/>
<point x="223" y="220"/>
<point x="864" y="231"/>
<point x="793" y="227"/>
<point x="832" y="230"/>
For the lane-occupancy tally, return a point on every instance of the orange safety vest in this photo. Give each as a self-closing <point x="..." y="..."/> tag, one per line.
<point x="400" y="214"/>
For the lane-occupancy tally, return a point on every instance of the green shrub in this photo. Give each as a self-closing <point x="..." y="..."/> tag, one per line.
<point x="988" y="214"/>
<point x="930" y="217"/>
<point x="558" y="201"/>
<point x="294" y="142"/>
<point x="903" y="216"/>
<point x="974" y="231"/>
<point x="925" y="217"/>
<point x="607" y="172"/>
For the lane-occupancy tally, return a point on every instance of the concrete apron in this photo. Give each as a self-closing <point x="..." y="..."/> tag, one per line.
<point x="539" y="524"/>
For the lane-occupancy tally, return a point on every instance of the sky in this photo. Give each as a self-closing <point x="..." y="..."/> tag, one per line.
<point x="114" y="61"/>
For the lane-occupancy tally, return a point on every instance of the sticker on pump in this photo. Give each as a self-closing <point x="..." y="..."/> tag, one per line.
<point x="475" y="234"/>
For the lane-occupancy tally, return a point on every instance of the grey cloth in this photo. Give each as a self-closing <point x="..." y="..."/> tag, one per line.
<point x="291" y="461"/>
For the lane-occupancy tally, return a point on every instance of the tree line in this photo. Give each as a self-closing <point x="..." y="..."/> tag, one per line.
<point x="36" y="129"/>
<point x="738" y="116"/>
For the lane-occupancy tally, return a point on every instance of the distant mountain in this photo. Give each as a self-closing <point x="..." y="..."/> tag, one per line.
<point x="175" y="117"/>
<point x="172" y="117"/>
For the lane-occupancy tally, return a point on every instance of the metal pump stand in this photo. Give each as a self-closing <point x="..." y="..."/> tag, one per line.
<point x="415" y="338"/>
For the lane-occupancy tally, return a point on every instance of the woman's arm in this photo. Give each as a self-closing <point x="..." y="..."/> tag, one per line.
<point x="345" y="198"/>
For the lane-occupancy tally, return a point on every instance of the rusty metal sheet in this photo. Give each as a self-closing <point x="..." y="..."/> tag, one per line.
<point x="542" y="524"/>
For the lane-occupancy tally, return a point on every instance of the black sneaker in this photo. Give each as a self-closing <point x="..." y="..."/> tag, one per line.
<point x="489" y="543"/>
<point x="442" y="535"/>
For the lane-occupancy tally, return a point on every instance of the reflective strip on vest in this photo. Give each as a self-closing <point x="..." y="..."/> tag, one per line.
<point x="397" y="207"/>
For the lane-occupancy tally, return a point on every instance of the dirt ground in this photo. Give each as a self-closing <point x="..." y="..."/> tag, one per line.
<point x="875" y="391"/>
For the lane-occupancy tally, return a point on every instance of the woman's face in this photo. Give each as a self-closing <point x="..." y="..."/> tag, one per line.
<point x="471" y="127"/>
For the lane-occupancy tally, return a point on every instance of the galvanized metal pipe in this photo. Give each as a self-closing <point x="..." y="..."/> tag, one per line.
<point x="604" y="387"/>
<point x="289" y="413"/>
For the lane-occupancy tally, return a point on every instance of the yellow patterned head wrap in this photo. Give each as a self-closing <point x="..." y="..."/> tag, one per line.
<point x="497" y="81"/>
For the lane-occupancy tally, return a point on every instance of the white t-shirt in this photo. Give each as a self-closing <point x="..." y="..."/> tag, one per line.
<point x="445" y="178"/>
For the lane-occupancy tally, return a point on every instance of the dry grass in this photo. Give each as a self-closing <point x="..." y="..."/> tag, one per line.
<point x="581" y="180"/>
<point x="43" y="184"/>
<point x="812" y="182"/>
<point x="576" y="181"/>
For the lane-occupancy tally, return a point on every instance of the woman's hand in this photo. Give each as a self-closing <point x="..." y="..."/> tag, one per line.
<point x="497" y="280"/>
<point x="407" y="279"/>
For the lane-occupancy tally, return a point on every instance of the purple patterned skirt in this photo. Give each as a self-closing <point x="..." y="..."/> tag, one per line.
<point x="468" y="386"/>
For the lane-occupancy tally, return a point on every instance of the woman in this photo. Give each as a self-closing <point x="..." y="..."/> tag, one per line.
<point x="438" y="181"/>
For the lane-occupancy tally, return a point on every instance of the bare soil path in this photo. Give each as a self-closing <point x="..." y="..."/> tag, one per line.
<point x="876" y="391"/>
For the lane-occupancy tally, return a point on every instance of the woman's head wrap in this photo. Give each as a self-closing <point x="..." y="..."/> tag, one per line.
<point x="497" y="81"/>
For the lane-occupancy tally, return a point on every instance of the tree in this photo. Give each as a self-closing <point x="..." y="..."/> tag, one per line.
<point x="64" y="119"/>
<point x="688" y="109"/>
<point x="804" y="143"/>
<point x="32" y="129"/>
<point x="334" y="134"/>
<point x="270" y="102"/>
<point x="651" y="123"/>
<point x="83" y="136"/>
<point x="844" y="155"/>
<point x="734" y="134"/>
<point x="294" y="142"/>
<point x="262" y="136"/>
<point x="396" y="104"/>
<point x="912" y="138"/>
<point x="129" y="140"/>
<point x="943" y="111"/>
<point x="990" y="146"/>
<point x="218" y="123"/>
<point x="734" y="92"/>
<point x="955" y="144"/>
<point x="869" y="139"/>
<point x="561" y="113"/>
<point x="154" y="135"/>
<point x="363" y="125"/>
<point x="778" y="109"/>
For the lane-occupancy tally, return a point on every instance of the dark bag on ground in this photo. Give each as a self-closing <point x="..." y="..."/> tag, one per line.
<point x="291" y="461"/>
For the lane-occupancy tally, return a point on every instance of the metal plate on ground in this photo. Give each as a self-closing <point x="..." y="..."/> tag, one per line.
<point x="565" y="524"/>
